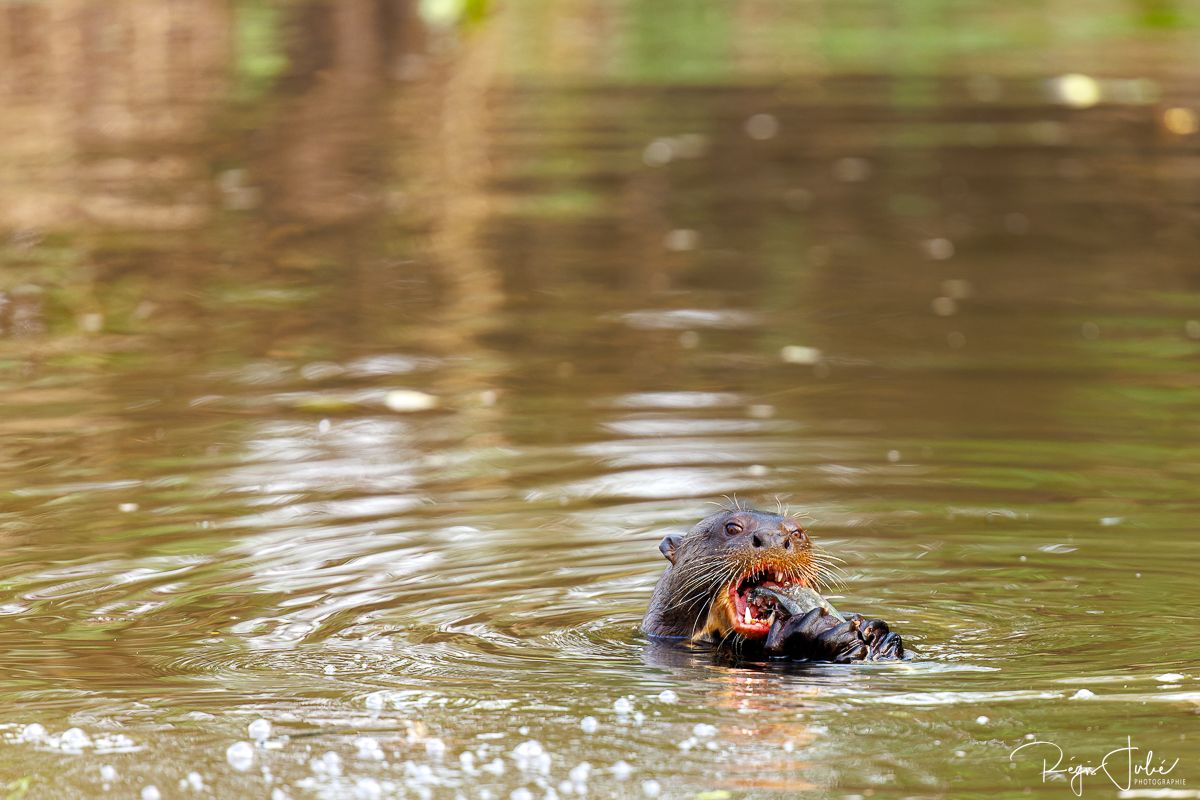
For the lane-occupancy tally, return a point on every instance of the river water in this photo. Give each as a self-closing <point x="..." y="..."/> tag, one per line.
<point x="353" y="363"/>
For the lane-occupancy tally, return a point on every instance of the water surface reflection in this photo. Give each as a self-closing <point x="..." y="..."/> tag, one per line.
<point x="353" y="361"/>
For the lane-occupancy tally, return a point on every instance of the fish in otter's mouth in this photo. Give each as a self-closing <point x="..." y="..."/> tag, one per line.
<point x="746" y="612"/>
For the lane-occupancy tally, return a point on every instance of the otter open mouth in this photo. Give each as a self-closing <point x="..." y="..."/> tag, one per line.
<point x="754" y="614"/>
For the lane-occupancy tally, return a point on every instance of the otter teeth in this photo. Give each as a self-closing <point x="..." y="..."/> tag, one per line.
<point x="779" y="577"/>
<point x="747" y="617"/>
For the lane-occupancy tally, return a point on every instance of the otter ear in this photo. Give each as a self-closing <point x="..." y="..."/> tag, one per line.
<point x="667" y="546"/>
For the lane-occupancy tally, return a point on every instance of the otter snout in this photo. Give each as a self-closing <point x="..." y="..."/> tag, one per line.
<point x="761" y="536"/>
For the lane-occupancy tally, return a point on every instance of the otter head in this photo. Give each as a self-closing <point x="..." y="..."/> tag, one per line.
<point x="704" y="593"/>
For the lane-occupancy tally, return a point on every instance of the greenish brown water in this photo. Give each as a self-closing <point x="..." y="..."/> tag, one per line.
<point x="920" y="287"/>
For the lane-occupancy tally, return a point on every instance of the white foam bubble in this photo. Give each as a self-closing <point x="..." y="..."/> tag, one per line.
<point x="240" y="756"/>
<point x="259" y="730"/>
<point x="435" y="748"/>
<point x="368" y="789"/>
<point x="32" y="732"/>
<point x="74" y="739"/>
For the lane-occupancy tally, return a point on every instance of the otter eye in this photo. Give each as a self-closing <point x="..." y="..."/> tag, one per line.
<point x="732" y="528"/>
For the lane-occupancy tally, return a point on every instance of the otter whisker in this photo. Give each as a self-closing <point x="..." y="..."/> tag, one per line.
<point x="827" y="578"/>
<point x="704" y="577"/>
<point x="821" y="555"/>
<point x="836" y="565"/>
<point x="702" y="618"/>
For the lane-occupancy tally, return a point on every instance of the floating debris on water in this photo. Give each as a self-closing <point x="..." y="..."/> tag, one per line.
<point x="1083" y="694"/>
<point x="939" y="249"/>
<point x="658" y="153"/>
<point x="851" y="170"/>
<point x="409" y="400"/>
<point x="1181" y="121"/>
<point x="1076" y="90"/>
<point x="799" y="354"/>
<point x="762" y="127"/>
<point x="589" y="724"/>
<point x="668" y="696"/>
<point x="760" y="411"/>
<point x="944" y="306"/>
<point x="681" y="240"/>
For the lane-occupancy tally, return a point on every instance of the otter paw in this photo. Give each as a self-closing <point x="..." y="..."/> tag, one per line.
<point x="816" y="636"/>
<point x="882" y="644"/>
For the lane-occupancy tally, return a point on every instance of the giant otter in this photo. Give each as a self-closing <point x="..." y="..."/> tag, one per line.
<point x="735" y="580"/>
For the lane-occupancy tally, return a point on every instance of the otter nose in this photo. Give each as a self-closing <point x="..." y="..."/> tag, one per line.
<point x="765" y="538"/>
<point x="784" y="537"/>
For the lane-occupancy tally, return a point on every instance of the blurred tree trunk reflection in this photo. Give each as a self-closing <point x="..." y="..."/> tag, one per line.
<point x="104" y="105"/>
